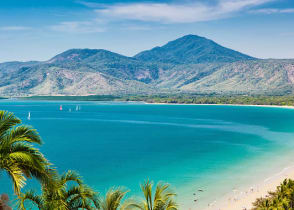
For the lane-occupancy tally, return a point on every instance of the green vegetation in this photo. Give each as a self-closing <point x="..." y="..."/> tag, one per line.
<point x="114" y="200"/>
<point x="21" y="160"/>
<point x="73" y="98"/>
<point x="190" y="64"/>
<point x="191" y="49"/>
<point x="282" y="198"/>
<point x="18" y="157"/>
<point x="163" y="198"/>
<point x="60" y="196"/>
<point x="179" y="99"/>
<point x="190" y="99"/>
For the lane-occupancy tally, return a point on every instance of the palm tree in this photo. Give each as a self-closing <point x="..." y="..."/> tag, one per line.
<point x="61" y="196"/>
<point x="18" y="157"/>
<point x="282" y="198"/>
<point x="163" y="198"/>
<point x="113" y="200"/>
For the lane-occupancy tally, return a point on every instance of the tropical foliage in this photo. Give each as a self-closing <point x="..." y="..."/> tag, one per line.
<point x="180" y="98"/>
<point x="62" y="196"/>
<point x="114" y="200"/>
<point x="282" y="198"/>
<point x="161" y="199"/>
<point x="214" y="99"/>
<point x="18" y="157"/>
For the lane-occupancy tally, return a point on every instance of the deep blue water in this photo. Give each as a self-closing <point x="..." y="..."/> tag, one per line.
<point x="191" y="147"/>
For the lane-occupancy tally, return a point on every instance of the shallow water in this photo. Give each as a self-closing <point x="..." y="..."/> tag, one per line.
<point x="215" y="148"/>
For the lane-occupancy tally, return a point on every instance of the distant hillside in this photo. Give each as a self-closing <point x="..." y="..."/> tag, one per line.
<point x="106" y="62"/>
<point x="191" y="64"/>
<point x="192" y="49"/>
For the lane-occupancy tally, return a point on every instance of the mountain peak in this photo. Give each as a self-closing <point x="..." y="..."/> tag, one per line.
<point x="76" y="55"/>
<point x="190" y="37"/>
<point x="191" y="49"/>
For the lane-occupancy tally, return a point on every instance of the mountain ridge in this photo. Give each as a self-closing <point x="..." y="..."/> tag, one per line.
<point x="190" y="64"/>
<point x="191" y="49"/>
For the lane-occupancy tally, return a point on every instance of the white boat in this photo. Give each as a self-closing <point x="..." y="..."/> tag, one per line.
<point x="29" y="116"/>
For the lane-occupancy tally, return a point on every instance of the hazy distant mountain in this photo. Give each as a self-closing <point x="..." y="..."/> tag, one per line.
<point x="190" y="64"/>
<point x="191" y="49"/>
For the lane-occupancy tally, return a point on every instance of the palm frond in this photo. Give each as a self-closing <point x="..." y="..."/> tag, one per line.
<point x="30" y="195"/>
<point x="113" y="199"/>
<point x="24" y="133"/>
<point x="17" y="177"/>
<point x="163" y="197"/>
<point x="71" y="176"/>
<point x="7" y="121"/>
<point x="147" y="190"/>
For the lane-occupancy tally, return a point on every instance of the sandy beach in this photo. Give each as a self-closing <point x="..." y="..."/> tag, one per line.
<point x="240" y="199"/>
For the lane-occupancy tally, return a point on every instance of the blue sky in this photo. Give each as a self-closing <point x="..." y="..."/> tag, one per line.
<point x="39" y="29"/>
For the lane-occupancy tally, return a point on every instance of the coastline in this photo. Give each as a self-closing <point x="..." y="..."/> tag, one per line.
<point x="250" y="105"/>
<point x="243" y="199"/>
<point x="238" y="189"/>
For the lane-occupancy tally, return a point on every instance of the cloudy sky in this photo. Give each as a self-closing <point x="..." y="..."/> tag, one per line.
<point x="39" y="29"/>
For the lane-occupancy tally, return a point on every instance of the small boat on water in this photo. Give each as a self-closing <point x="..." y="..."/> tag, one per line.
<point x="29" y="116"/>
<point x="60" y="108"/>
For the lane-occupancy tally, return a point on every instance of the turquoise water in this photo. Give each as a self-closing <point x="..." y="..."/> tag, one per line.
<point x="213" y="148"/>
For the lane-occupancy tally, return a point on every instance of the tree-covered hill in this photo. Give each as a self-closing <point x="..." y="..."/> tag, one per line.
<point x="191" y="64"/>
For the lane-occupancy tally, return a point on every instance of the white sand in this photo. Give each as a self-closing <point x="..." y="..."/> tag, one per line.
<point x="241" y="199"/>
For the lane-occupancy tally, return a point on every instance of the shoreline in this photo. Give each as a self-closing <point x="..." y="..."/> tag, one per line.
<point x="260" y="188"/>
<point x="250" y="105"/>
<point x="243" y="198"/>
<point x="144" y="102"/>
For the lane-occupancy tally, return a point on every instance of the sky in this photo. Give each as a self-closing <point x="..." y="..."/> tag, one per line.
<point x="40" y="29"/>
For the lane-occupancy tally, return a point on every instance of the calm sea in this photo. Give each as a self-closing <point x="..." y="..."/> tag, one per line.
<point x="213" y="148"/>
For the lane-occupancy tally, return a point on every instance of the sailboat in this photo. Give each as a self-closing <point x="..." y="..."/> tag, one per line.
<point x="29" y="116"/>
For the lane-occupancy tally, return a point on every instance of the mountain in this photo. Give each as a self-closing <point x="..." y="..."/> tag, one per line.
<point x="191" y="64"/>
<point x="103" y="61"/>
<point x="192" y="49"/>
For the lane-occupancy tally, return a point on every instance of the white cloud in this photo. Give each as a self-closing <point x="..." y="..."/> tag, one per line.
<point x="79" y="27"/>
<point x="90" y="4"/>
<point x="269" y="11"/>
<point x="188" y="12"/>
<point x="14" y="28"/>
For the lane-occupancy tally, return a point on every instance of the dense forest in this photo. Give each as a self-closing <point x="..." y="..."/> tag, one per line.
<point x="180" y="99"/>
<point x="246" y="100"/>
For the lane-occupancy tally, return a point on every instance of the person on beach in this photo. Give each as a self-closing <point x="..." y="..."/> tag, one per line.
<point x="4" y="199"/>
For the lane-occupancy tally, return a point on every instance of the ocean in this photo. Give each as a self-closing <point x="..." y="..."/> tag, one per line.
<point x="212" y="148"/>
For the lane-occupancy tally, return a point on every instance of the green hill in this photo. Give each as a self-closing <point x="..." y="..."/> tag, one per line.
<point x="191" y="64"/>
<point x="191" y="49"/>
